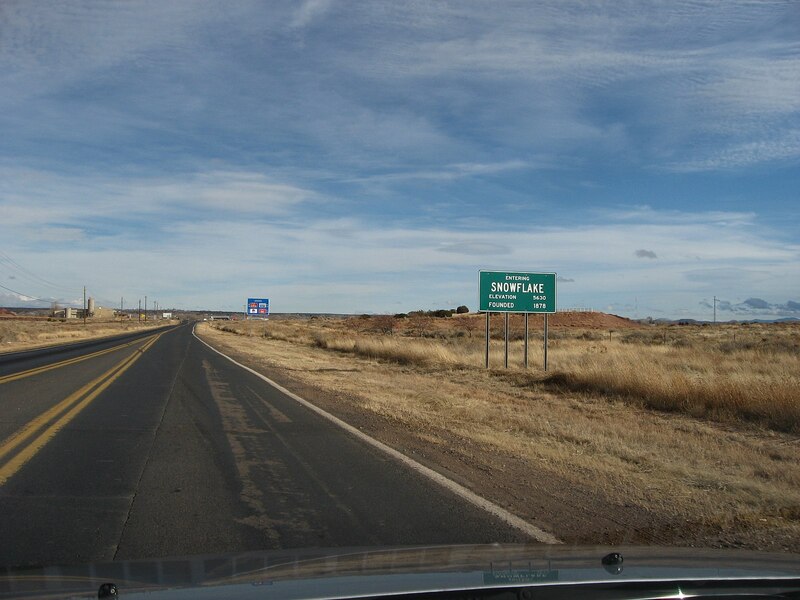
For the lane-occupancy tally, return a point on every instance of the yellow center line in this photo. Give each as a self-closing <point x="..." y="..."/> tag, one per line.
<point x="64" y="363"/>
<point x="34" y="426"/>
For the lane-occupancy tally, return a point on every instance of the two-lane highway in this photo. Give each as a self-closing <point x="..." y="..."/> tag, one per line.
<point x="159" y="446"/>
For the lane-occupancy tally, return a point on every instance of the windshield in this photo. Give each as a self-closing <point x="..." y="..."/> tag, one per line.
<point x="329" y="274"/>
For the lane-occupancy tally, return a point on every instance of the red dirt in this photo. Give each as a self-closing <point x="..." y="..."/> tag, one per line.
<point x="590" y="320"/>
<point x="477" y="322"/>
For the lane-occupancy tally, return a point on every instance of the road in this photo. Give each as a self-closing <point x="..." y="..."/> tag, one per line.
<point x="157" y="446"/>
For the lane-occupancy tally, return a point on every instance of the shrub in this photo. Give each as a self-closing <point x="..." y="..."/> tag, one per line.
<point x="383" y="324"/>
<point x="440" y="313"/>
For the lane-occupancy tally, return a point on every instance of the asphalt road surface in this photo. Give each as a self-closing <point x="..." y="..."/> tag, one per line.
<point x="154" y="445"/>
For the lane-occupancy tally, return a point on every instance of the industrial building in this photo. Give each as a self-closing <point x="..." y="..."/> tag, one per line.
<point x="91" y="311"/>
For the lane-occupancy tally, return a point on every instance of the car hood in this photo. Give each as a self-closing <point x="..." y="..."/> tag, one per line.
<point x="358" y="572"/>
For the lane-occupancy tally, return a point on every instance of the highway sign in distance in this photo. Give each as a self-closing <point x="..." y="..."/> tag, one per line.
<point x="258" y="307"/>
<point x="516" y="292"/>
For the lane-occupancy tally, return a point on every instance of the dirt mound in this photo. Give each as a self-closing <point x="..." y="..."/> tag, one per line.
<point x="591" y="320"/>
<point x="578" y="320"/>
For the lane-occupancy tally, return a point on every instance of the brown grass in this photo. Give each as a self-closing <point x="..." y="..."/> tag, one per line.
<point x="589" y="420"/>
<point x="22" y="334"/>
<point x="694" y="371"/>
<point x="697" y="378"/>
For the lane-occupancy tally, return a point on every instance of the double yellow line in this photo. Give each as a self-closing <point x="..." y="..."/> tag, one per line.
<point x="63" y="363"/>
<point x="44" y="427"/>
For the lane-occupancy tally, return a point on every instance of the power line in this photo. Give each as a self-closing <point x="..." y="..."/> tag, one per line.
<point x="28" y="274"/>
<point x="27" y="295"/>
<point x="7" y="259"/>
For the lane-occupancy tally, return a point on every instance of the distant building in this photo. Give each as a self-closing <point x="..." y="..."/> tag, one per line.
<point x="69" y="313"/>
<point x="78" y="313"/>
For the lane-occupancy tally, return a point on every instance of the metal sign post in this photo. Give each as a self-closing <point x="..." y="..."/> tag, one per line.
<point x="526" y="340"/>
<point x="545" y="342"/>
<point x="487" y="340"/>
<point x="506" y="330"/>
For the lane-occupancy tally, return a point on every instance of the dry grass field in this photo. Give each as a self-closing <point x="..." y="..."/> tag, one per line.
<point x="24" y="334"/>
<point x="688" y="432"/>
<point x="728" y="373"/>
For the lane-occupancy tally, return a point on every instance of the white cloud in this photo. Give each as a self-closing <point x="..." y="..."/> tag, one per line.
<point x="647" y="214"/>
<point x="56" y="234"/>
<point x="63" y="203"/>
<point x="229" y="191"/>
<point x="309" y="11"/>
<point x="784" y="146"/>
<point x="49" y="47"/>
<point x="425" y="84"/>
<point x="475" y="248"/>
<point x="309" y="264"/>
<point x="691" y="70"/>
<point x="453" y="172"/>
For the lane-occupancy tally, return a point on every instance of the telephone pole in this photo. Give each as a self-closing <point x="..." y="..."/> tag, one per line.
<point x="139" y="312"/>
<point x="84" y="306"/>
<point x="145" y="308"/>
<point x="715" y="310"/>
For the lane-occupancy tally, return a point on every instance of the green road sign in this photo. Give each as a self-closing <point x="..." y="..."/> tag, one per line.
<point x="515" y="292"/>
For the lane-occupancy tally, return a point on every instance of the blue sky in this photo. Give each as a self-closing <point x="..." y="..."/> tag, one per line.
<point x="372" y="157"/>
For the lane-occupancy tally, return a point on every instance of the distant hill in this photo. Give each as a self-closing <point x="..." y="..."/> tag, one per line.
<point x="729" y="322"/>
<point x="591" y="320"/>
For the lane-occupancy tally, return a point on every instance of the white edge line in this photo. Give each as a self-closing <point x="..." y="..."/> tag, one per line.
<point x="450" y="485"/>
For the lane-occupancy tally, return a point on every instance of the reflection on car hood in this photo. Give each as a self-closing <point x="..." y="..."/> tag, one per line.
<point x="344" y="573"/>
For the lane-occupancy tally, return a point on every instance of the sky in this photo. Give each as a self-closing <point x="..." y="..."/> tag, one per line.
<point x="353" y="157"/>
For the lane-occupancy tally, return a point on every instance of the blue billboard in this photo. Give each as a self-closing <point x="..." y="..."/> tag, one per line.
<point x="258" y="307"/>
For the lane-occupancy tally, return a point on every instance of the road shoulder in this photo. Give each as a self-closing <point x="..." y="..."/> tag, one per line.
<point x="576" y="514"/>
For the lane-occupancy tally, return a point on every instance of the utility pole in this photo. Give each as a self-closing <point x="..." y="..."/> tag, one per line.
<point x="84" y="305"/>
<point x="145" y="308"/>
<point x="139" y="312"/>
<point x="715" y="310"/>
